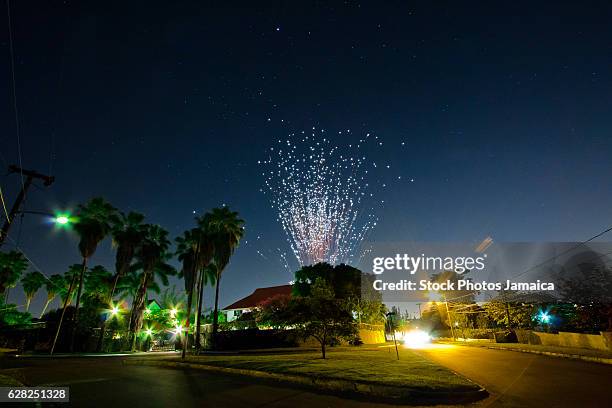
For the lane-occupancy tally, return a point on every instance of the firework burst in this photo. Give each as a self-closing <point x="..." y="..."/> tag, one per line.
<point x="319" y="192"/>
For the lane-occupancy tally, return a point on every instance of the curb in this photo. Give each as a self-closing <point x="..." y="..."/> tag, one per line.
<point x="383" y="393"/>
<point x="601" y="360"/>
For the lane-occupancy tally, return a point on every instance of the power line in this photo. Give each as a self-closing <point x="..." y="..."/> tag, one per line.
<point x="12" y="52"/>
<point x="563" y="253"/>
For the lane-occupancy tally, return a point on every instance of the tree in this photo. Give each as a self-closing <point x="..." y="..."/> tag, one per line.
<point x="69" y="278"/>
<point x="128" y="232"/>
<point x="187" y="251"/>
<point x="10" y="316"/>
<point x="322" y="316"/>
<point x="93" y="224"/>
<point x="53" y="286"/>
<point x="12" y="265"/>
<point x="67" y="294"/>
<point x="226" y="230"/>
<point x="590" y="293"/>
<point x="274" y="312"/>
<point x="152" y="255"/>
<point x="97" y="288"/>
<point x="31" y="283"/>
<point x="521" y="315"/>
<point x="344" y="279"/>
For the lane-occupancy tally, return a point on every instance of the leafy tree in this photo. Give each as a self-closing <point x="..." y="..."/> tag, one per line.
<point x="521" y="315"/>
<point x="12" y="265"/>
<point x="320" y="315"/>
<point x="53" y="286"/>
<point x="274" y="312"/>
<point x="10" y="316"/>
<point x="590" y="291"/>
<point x="31" y="283"/>
<point x="226" y="230"/>
<point x="344" y="279"/>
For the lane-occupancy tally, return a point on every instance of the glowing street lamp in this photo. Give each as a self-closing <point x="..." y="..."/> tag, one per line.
<point x="62" y="220"/>
<point x="114" y="310"/>
<point x="543" y="317"/>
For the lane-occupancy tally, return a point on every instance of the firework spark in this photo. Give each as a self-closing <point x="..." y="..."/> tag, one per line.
<point x="319" y="192"/>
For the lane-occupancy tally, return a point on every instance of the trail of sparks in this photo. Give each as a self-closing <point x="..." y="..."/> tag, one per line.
<point x="319" y="194"/>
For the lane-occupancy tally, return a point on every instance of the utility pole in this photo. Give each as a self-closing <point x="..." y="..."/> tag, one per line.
<point x="450" y="322"/>
<point x="31" y="175"/>
<point x="507" y="310"/>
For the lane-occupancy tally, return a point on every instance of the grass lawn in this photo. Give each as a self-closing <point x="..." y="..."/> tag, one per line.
<point x="537" y="347"/>
<point x="364" y="366"/>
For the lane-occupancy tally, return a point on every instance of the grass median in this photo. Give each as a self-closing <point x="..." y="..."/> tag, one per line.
<point x="379" y="367"/>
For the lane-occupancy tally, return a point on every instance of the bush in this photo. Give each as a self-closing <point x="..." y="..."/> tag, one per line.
<point x="255" y="339"/>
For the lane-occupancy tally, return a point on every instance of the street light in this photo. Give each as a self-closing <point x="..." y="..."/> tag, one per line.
<point x="114" y="310"/>
<point x="62" y="220"/>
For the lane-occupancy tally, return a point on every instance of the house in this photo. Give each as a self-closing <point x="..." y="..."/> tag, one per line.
<point x="259" y="295"/>
<point x="153" y="306"/>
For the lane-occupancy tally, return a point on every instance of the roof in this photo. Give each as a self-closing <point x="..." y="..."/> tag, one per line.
<point x="154" y="305"/>
<point x="260" y="295"/>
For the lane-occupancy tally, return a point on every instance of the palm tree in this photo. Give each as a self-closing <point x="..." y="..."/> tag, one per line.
<point x="95" y="221"/>
<point x="152" y="255"/>
<point x="188" y="250"/>
<point x="31" y="283"/>
<point x="207" y="276"/>
<point x="12" y="265"/>
<point x="127" y="234"/>
<point x="226" y="230"/>
<point x="93" y="225"/>
<point x="66" y="295"/>
<point x="70" y="278"/>
<point x="98" y="283"/>
<point x="53" y="286"/>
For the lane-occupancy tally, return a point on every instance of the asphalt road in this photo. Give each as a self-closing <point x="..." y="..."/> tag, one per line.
<point x="528" y="380"/>
<point x="513" y="379"/>
<point x="106" y="382"/>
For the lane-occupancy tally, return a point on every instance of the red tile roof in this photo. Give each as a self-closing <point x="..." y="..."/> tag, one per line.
<point x="258" y="296"/>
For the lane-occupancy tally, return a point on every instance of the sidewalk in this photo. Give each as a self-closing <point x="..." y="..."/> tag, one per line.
<point x="595" y="356"/>
<point x="96" y="355"/>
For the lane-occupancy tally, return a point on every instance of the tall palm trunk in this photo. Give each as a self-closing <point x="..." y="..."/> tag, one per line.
<point x="186" y="339"/>
<point x="66" y="303"/>
<point x="216" y="312"/>
<point x="44" y="309"/>
<point x="200" y="305"/>
<point x="138" y="307"/>
<point x="75" y="322"/>
<point x="100" y="344"/>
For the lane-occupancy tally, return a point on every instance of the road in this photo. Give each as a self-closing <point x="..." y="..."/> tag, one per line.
<point x="528" y="380"/>
<point x="513" y="379"/>
<point x="106" y="382"/>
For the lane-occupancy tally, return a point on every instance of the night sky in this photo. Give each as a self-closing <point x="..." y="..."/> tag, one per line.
<point x="504" y="110"/>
